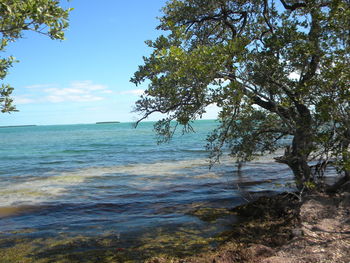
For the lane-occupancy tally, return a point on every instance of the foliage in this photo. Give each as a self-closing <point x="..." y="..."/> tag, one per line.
<point x="42" y="16"/>
<point x="276" y="69"/>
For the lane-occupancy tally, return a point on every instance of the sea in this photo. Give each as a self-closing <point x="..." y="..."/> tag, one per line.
<point x="111" y="193"/>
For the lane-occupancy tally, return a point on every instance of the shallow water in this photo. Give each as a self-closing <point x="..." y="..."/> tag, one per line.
<point x="84" y="183"/>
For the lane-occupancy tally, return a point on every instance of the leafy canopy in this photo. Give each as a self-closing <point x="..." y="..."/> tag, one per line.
<point x="276" y="68"/>
<point x="42" y="16"/>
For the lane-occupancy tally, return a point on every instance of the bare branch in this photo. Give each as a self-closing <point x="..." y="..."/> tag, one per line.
<point x="293" y="6"/>
<point x="265" y="14"/>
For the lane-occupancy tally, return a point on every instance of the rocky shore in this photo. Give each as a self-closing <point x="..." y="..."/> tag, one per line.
<point x="283" y="229"/>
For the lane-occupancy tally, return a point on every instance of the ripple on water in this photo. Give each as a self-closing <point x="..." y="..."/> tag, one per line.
<point x="99" y="192"/>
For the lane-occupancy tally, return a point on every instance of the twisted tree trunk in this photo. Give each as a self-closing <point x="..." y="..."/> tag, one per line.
<point x="296" y="156"/>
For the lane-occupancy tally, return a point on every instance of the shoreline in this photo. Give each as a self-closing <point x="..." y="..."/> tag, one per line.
<point x="280" y="229"/>
<point x="270" y="229"/>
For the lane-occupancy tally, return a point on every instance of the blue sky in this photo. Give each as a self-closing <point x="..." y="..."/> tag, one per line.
<point x="85" y="78"/>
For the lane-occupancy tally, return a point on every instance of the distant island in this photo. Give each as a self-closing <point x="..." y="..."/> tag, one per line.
<point x="107" y="122"/>
<point x="16" y="126"/>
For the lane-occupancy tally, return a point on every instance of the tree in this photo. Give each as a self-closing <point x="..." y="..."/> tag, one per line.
<point x="42" y="16"/>
<point x="276" y="68"/>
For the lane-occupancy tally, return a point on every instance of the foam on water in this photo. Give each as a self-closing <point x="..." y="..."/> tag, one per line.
<point x="52" y="185"/>
<point x="36" y="191"/>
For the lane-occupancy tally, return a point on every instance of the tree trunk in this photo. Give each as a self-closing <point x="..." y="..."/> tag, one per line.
<point x="297" y="159"/>
<point x="296" y="156"/>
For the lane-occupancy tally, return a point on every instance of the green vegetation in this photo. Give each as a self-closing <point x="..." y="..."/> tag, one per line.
<point x="276" y="69"/>
<point x="42" y="16"/>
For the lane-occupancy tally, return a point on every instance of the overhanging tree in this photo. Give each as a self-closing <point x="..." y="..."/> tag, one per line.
<point x="42" y="16"/>
<point x="275" y="68"/>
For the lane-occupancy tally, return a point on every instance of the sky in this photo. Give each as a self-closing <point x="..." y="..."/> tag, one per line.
<point x="85" y="78"/>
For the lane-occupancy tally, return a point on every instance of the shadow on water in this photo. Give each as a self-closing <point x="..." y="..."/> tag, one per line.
<point x="177" y="239"/>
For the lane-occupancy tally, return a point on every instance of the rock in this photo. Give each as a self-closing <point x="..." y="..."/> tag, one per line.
<point x="297" y="232"/>
<point x="260" y="251"/>
<point x="230" y="256"/>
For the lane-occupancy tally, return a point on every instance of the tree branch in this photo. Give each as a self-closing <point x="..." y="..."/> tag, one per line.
<point x="293" y="6"/>
<point x="265" y="13"/>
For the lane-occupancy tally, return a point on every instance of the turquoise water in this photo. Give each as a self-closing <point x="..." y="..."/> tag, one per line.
<point x="113" y="180"/>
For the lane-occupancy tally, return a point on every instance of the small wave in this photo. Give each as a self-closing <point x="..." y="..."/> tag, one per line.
<point x="16" y="157"/>
<point x="101" y="145"/>
<point x="194" y="150"/>
<point x="207" y="176"/>
<point x="52" y="162"/>
<point x="77" y="151"/>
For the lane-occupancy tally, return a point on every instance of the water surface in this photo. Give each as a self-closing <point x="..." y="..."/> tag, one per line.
<point x="111" y="188"/>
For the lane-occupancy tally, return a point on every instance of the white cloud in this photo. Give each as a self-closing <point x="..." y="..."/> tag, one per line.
<point x="40" y="86"/>
<point x="56" y="98"/>
<point x="87" y="86"/>
<point x="23" y="100"/>
<point x="78" y="91"/>
<point x="107" y="91"/>
<point x="212" y="112"/>
<point x="136" y="92"/>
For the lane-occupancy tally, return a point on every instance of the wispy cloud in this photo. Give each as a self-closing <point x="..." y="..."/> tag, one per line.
<point x="78" y="91"/>
<point x="23" y="100"/>
<point x="40" y="86"/>
<point x="87" y="85"/>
